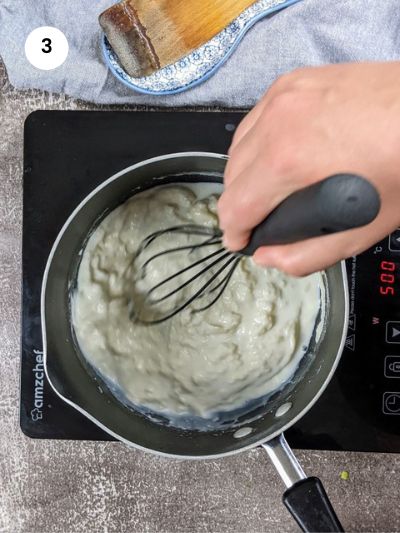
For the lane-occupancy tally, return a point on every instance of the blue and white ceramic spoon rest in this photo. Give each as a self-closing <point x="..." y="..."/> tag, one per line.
<point x="201" y="64"/>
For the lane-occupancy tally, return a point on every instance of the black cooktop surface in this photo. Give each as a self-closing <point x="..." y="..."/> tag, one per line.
<point x="68" y="153"/>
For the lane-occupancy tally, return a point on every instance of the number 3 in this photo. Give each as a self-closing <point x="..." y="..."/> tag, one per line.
<point x="47" y="46"/>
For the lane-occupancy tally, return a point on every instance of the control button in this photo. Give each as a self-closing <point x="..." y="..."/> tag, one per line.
<point x="391" y="403"/>
<point x="392" y="366"/>
<point x="393" y="332"/>
<point x="350" y="343"/>
<point x="394" y="241"/>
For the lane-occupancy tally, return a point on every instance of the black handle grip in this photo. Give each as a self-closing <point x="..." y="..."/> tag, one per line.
<point x="309" y="505"/>
<point x="338" y="203"/>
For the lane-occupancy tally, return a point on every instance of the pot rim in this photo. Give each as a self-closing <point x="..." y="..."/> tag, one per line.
<point x="95" y="420"/>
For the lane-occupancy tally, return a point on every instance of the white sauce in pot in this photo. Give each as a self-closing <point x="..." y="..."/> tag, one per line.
<point x="248" y="344"/>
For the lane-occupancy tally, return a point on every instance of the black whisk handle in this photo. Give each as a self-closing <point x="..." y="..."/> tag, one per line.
<point x="338" y="203"/>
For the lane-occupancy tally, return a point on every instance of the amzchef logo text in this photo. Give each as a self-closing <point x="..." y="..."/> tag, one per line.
<point x="38" y="370"/>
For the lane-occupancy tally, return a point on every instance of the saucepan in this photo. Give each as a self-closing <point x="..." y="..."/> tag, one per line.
<point x="77" y="384"/>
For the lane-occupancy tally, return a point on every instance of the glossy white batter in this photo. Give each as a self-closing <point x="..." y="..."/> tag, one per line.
<point x="245" y="346"/>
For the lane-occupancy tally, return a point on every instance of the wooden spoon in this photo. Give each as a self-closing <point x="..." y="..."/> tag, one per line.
<point x="148" y="35"/>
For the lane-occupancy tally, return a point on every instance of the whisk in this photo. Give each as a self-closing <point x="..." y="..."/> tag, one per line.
<point x="338" y="203"/>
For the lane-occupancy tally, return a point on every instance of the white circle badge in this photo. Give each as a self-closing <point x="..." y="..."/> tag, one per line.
<point x="46" y="48"/>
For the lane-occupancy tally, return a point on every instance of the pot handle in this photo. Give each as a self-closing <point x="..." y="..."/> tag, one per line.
<point x="305" y="497"/>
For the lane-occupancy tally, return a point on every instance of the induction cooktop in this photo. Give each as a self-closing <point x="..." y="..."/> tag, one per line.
<point x="68" y="153"/>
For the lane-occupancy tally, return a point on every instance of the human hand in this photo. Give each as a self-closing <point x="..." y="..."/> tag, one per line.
<point x="311" y="124"/>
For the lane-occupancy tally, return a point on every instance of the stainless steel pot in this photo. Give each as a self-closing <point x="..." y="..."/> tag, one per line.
<point x="76" y="383"/>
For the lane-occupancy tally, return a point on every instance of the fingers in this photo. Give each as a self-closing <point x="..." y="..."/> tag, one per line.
<point x="249" y="121"/>
<point x="246" y="134"/>
<point x="247" y="139"/>
<point x="246" y="202"/>
<point x="247" y="124"/>
<point x="303" y="258"/>
<point x="241" y="157"/>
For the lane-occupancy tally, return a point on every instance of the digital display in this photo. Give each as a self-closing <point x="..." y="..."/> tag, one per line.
<point x="387" y="278"/>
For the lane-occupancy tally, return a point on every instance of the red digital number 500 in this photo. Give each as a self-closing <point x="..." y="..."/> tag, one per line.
<point x="387" y="278"/>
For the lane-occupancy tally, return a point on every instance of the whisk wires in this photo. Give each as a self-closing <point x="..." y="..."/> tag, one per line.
<point x="220" y="263"/>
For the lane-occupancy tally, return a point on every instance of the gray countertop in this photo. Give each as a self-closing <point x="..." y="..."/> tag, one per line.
<point x="57" y="486"/>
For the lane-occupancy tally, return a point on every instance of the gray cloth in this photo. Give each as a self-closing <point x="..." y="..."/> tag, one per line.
<point x="311" y="32"/>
